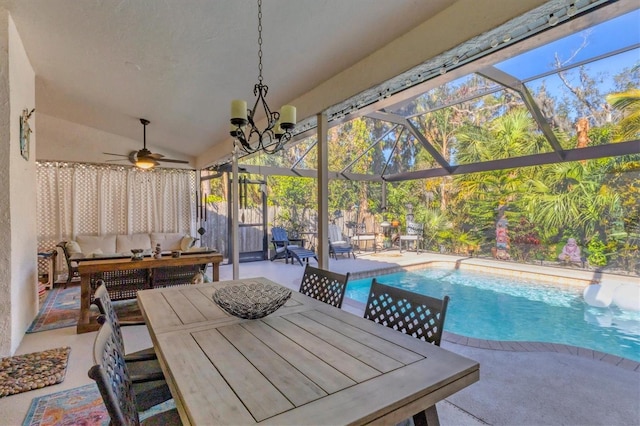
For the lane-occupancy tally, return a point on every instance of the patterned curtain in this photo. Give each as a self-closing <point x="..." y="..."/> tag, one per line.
<point x="90" y="199"/>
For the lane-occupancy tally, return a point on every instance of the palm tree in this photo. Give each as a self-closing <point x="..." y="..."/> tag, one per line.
<point x="629" y="103"/>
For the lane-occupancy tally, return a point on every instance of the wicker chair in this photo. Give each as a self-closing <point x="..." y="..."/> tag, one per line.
<point x="143" y="366"/>
<point x="103" y="302"/>
<point x="415" y="314"/>
<point x="122" y="400"/>
<point x="325" y="286"/>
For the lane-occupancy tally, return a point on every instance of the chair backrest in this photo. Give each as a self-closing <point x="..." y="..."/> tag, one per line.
<point x="325" y="286"/>
<point x="410" y="313"/>
<point x="103" y="302"/>
<point x="415" y="228"/>
<point x="335" y="234"/>
<point x="279" y="235"/>
<point x="111" y="375"/>
<point x="67" y="257"/>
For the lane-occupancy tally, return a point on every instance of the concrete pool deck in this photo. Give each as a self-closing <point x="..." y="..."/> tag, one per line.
<point x="521" y="383"/>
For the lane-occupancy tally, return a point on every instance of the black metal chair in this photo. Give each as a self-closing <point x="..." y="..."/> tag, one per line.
<point x="325" y="286"/>
<point x="415" y="314"/>
<point x="121" y="398"/>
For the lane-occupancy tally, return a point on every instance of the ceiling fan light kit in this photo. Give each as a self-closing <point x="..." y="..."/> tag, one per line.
<point x="279" y="124"/>
<point x="145" y="159"/>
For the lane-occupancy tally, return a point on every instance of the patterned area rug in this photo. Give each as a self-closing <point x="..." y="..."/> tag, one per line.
<point x="77" y="406"/>
<point x="62" y="309"/>
<point x="36" y="370"/>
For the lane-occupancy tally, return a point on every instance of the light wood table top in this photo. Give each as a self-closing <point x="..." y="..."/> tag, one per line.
<point x="307" y="363"/>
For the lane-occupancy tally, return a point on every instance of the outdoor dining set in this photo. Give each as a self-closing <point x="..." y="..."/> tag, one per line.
<point x="251" y="351"/>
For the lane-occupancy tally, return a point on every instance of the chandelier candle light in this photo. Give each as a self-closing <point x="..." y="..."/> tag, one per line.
<point x="279" y="124"/>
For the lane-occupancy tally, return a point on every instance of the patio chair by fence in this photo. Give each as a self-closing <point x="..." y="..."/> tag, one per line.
<point x="284" y="249"/>
<point x="362" y="236"/>
<point x="338" y="243"/>
<point x="410" y="313"/>
<point x="323" y="285"/>
<point x="415" y="233"/>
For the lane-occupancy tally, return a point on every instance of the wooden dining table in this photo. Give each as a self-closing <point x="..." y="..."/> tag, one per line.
<point x="307" y="363"/>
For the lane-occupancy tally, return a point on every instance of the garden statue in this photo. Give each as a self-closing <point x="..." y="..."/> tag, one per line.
<point x="570" y="252"/>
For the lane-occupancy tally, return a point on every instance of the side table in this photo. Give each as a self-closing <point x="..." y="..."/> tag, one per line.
<point x="50" y="258"/>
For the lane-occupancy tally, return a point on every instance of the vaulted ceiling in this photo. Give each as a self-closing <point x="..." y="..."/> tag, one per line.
<point x="105" y="64"/>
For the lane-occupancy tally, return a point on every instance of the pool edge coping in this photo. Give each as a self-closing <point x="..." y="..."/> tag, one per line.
<point x="500" y="345"/>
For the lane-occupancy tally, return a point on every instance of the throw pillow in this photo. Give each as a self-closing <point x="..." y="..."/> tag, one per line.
<point x="187" y="242"/>
<point x="73" y="247"/>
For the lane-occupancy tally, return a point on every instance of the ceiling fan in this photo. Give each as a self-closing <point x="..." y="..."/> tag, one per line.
<point x="144" y="158"/>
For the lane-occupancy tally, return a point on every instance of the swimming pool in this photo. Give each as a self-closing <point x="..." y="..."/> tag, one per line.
<point x="488" y="306"/>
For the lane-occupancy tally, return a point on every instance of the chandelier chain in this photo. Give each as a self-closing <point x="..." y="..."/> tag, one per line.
<point x="275" y="135"/>
<point x="260" y="41"/>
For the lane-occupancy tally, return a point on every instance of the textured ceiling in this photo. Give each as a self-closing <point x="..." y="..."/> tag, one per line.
<point x="179" y="63"/>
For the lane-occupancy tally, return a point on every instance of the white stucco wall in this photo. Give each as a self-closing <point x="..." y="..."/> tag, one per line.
<point x="5" y="216"/>
<point x="18" y="255"/>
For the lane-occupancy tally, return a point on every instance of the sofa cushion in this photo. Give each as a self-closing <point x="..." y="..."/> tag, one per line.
<point x="167" y="240"/>
<point x="93" y="244"/>
<point x="124" y="243"/>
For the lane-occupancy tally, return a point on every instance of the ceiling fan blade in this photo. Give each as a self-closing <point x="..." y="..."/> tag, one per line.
<point x="119" y="155"/>
<point x="155" y="156"/>
<point x="169" y="160"/>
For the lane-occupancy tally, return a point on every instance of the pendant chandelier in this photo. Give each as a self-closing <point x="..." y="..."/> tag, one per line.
<point x="279" y="124"/>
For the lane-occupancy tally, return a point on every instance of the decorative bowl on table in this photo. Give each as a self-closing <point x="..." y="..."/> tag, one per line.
<point x="251" y="300"/>
<point x="137" y="254"/>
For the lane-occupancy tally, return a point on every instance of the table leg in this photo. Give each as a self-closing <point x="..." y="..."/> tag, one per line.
<point x="84" y="322"/>
<point x="215" y="272"/>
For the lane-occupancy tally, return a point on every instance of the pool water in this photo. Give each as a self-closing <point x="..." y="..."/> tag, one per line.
<point x="487" y="306"/>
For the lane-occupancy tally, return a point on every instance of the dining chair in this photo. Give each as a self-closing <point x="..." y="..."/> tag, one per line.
<point x="325" y="286"/>
<point x="102" y="300"/>
<point x="143" y="365"/>
<point x="119" y="394"/>
<point x="410" y="313"/>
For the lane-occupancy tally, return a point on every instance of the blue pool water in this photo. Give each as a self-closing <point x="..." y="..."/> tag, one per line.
<point x="492" y="307"/>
